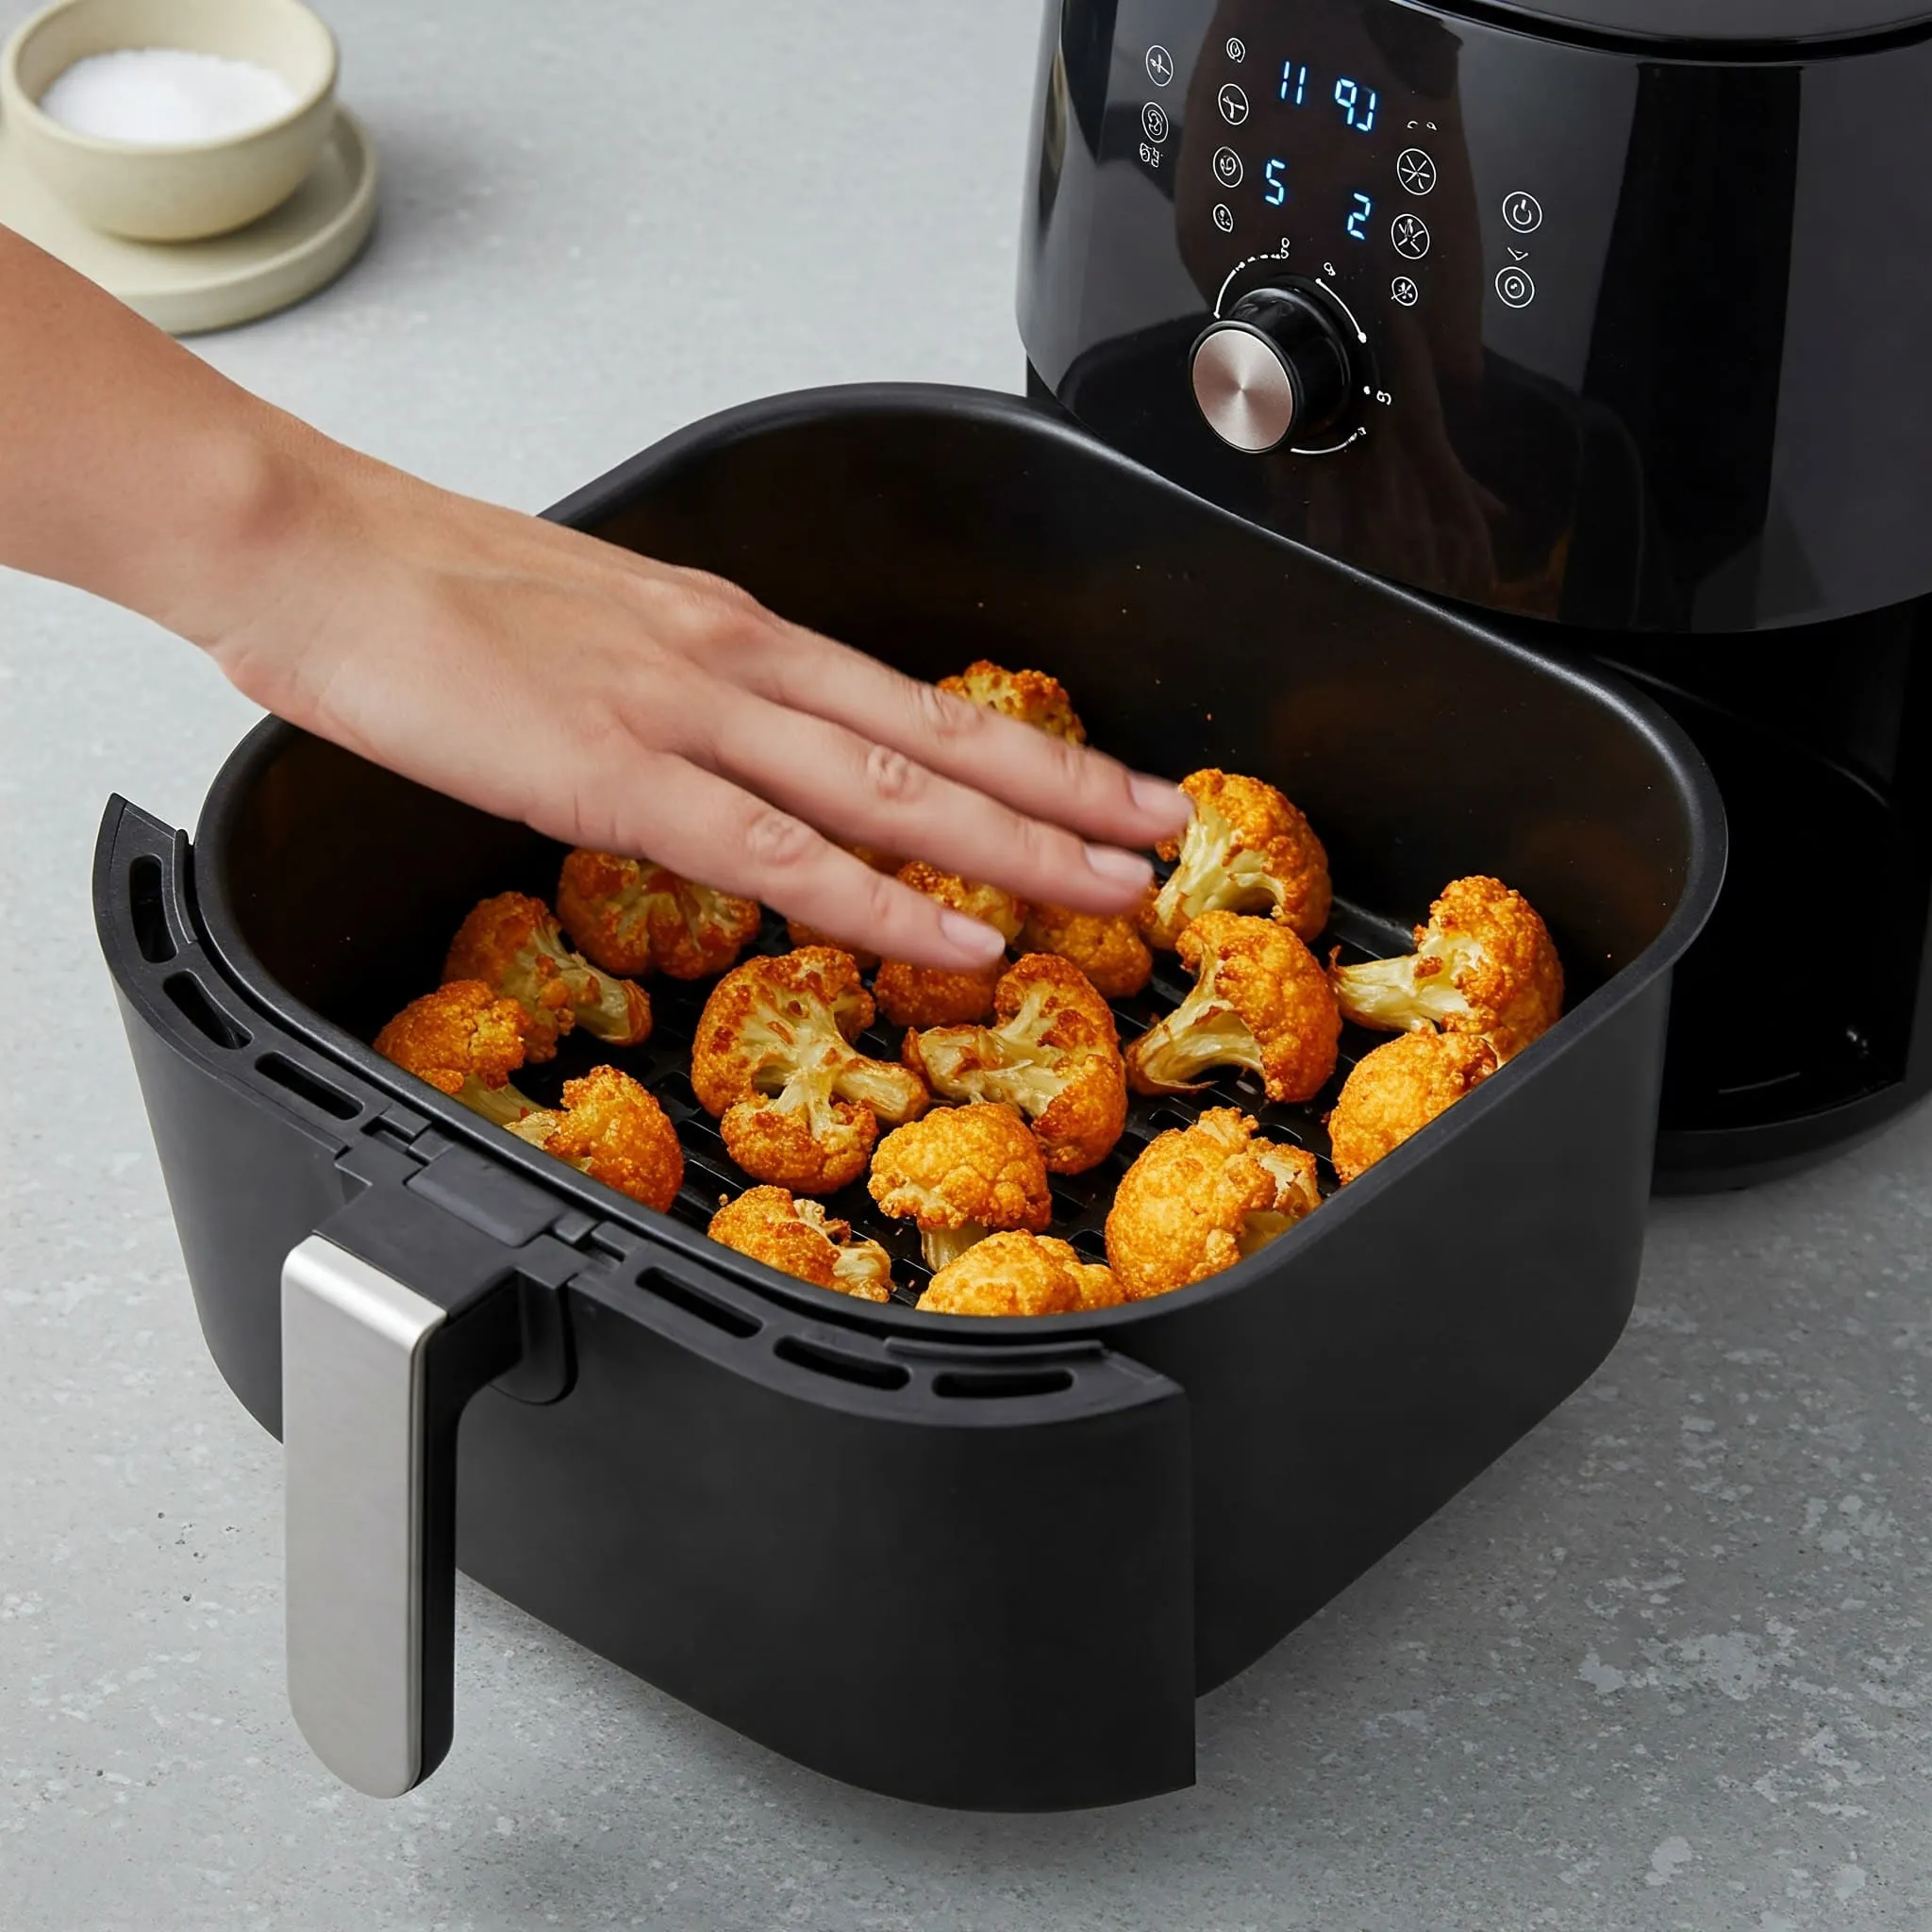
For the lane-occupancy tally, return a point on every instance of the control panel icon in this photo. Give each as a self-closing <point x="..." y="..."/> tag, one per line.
<point x="1154" y="120"/>
<point x="1234" y="104"/>
<point x="1523" y="212"/>
<point x="1404" y="291"/>
<point x="1411" y="235"/>
<point x="1515" y="289"/>
<point x="1228" y="167"/>
<point x="1237" y="51"/>
<point x="1159" y="66"/>
<point x="1415" y="171"/>
<point x="1224" y="217"/>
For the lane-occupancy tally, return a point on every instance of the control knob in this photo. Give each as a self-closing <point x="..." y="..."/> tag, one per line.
<point x="1278" y="364"/>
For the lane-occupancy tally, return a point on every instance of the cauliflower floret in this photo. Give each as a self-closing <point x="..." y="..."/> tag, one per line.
<point x="1201" y="1198"/>
<point x="630" y="916"/>
<point x="466" y="1042"/>
<point x="1398" y="1090"/>
<point x="962" y="1174"/>
<point x="611" y="1128"/>
<point x="1246" y="850"/>
<point x="1030" y="697"/>
<point x="513" y="944"/>
<point x="799" y="1238"/>
<point x="1053" y="1052"/>
<point x="925" y="996"/>
<point x="771" y="1060"/>
<point x="1484" y="963"/>
<point x="1107" y="949"/>
<point x="801" y="935"/>
<point x="1020" y="1275"/>
<point x="1260" y="1001"/>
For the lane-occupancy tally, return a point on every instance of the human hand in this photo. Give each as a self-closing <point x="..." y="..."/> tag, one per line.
<point x="636" y="706"/>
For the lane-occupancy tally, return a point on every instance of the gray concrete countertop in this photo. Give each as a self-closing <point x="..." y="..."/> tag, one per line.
<point x="1665" y="1666"/>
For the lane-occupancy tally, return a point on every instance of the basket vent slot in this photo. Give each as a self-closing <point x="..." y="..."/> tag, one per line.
<point x="835" y="1361"/>
<point x="201" y="1013"/>
<point x="147" y="906"/>
<point x="305" y="1086"/>
<point x="681" y="1294"/>
<point x="998" y="1383"/>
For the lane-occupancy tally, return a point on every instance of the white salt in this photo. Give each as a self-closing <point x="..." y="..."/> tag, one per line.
<point x="166" y="97"/>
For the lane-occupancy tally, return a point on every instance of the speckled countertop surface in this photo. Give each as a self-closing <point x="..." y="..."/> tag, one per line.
<point x="1665" y="1666"/>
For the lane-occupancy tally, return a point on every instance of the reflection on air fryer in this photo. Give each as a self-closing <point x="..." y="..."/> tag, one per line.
<point x="1009" y="1106"/>
<point x="1351" y="156"/>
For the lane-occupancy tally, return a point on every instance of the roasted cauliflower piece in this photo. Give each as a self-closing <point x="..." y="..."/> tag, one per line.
<point x="1052" y="1052"/>
<point x="1020" y="1275"/>
<point x="514" y="945"/>
<point x="613" y="1129"/>
<point x="962" y="1173"/>
<point x="799" y="1238"/>
<point x="801" y="935"/>
<point x="925" y="996"/>
<point x="1108" y="949"/>
<point x="1260" y="1001"/>
<point x="627" y="915"/>
<point x="1031" y="697"/>
<point x="1201" y="1198"/>
<point x="1484" y="964"/>
<point x="1246" y="850"/>
<point x="773" y="1062"/>
<point x="1398" y="1090"/>
<point x="465" y="1041"/>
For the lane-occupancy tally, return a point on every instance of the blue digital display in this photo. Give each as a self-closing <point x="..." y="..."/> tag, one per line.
<point x="1294" y="82"/>
<point x="1358" y="216"/>
<point x="1277" y="191"/>
<point x="1358" y="111"/>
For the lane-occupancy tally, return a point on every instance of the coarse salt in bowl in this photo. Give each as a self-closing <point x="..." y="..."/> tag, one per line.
<point x="170" y="120"/>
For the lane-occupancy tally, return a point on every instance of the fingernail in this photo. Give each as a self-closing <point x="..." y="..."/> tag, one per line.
<point x="1120" y="868"/>
<point x="1167" y="804"/>
<point x="978" y="942"/>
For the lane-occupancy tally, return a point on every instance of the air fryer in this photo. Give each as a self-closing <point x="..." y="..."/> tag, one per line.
<point x="1608" y="319"/>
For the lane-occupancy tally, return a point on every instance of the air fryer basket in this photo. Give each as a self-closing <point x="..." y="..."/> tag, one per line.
<point x="846" y="1529"/>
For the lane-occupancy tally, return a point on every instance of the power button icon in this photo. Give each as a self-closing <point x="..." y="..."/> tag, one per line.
<point x="1523" y="212"/>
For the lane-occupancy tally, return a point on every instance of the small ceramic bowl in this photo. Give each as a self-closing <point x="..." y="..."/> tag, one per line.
<point x="172" y="194"/>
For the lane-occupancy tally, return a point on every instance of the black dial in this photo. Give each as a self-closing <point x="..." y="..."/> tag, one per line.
<point x="1275" y="368"/>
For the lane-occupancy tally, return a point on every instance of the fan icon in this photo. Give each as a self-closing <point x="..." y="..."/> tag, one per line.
<point x="1410" y="234"/>
<point x="1415" y="171"/>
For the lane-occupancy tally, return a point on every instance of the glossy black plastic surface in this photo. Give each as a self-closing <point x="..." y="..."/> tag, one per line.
<point x="735" y="1492"/>
<point x="1647" y="334"/>
<point x="1766" y="27"/>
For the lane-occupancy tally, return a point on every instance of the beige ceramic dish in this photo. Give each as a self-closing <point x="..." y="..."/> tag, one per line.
<point x="172" y="194"/>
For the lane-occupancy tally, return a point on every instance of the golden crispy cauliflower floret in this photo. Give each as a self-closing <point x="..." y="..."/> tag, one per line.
<point x="513" y="944"/>
<point x="1246" y="850"/>
<point x="962" y="1173"/>
<point x="771" y="1060"/>
<point x="1053" y="1052"/>
<point x="1030" y="697"/>
<point x="799" y="1238"/>
<point x="466" y="1041"/>
<point x="1260" y="1001"/>
<point x="1108" y="949"/>
<point x="1020" y="1275"/>
<point x="1398" y="1090"/>
<point x="630" y="916"/>
<point x="801" y="935"/>
<point x="1201" y="1198"/>
<point x="611" y="1128"/>
<point x="1484" y="963"/>
<point x="924" y="997"/>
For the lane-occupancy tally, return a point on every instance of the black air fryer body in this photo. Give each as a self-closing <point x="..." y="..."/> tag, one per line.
<point x="1611" y="318"/>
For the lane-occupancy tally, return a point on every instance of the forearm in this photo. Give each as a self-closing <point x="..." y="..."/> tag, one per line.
<point x="127" y="466"/>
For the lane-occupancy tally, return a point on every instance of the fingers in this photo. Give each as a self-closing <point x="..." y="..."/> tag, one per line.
<point x="1036" y="776"/>
<point x="872" y="794"/>
<point x="706" y="828"/>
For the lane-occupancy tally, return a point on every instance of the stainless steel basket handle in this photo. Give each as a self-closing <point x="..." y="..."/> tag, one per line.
<point x="374" y="1376"/>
